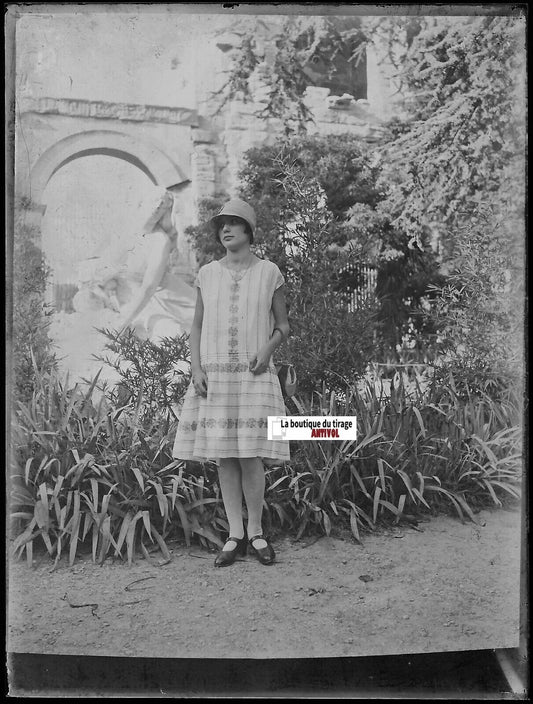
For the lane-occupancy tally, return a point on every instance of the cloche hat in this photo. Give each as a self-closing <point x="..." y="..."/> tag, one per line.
<point x="239" y="208"/>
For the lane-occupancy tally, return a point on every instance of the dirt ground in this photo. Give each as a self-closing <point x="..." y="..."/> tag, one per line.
<point x="444" y="586"/>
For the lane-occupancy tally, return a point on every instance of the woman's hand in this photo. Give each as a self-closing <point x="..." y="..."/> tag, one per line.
<point x="199" y="380"/>
<point x="259" y="362"/>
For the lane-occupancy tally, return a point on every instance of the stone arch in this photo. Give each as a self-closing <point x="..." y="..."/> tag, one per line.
<point x="159" y="168"/>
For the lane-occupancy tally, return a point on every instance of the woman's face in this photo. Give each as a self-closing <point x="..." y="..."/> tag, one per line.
<point x="232" y="232"/>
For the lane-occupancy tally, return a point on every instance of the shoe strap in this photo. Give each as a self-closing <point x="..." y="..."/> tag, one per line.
<point x="235" y="540"/>
<point x="257" y="537"/>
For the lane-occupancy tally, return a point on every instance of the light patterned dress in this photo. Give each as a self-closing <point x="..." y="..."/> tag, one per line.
<point x="232" y="420"/>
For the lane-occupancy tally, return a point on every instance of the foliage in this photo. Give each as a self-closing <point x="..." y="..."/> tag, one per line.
<point x="202" y="237"/>
<point x="275" y="68"/>
<point x="458" y="138"/>
<point x="456" y="174"/>
<point x="477" y="312"/>
<point x="412" y="458"/>
<point x="359" y="230"/>
<point x="92" y="476"/>
<point x="157" y="373"/>
<point x="31" y="345"/>
<point x="295" y="229"/>
<point x="243" y="67"/>
<point x="91" y="473"/>
<point x="463" y="79"/>
<point x="408" y="277"/>
<point x="341" y="164"/>
<point x="99" y="473"/>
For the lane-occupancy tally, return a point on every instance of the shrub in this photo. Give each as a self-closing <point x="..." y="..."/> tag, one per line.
<point x="156" y="373"/>
<point x="360" y="231"/>
<point x="463" y="82"/>
<point x="406" y="282"/>
<point x="412" y="458"/>
<point x="478" y="313"/>
<point x="295" y="230"/>
<point x="31" y="345"/>
<point x="89" y="473"/>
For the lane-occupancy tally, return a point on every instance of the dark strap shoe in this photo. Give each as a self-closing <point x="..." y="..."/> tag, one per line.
<point x="266" y="555"/>
<point x="228" y="557"/>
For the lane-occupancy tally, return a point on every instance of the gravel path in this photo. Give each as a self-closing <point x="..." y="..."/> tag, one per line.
<point x="447" y="586"/>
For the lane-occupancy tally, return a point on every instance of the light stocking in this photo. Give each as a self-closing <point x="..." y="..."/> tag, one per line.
<point x="229" y="475"/>
<point x="253" y="486"/>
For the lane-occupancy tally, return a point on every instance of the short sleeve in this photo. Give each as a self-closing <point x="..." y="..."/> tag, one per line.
<point x="199" y="279"/>
<point x="279" y="279"/>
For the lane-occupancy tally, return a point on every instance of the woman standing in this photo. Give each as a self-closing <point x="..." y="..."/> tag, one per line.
<point x="240" y="319"/>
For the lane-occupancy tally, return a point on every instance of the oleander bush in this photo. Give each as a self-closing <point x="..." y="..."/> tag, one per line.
<point x="159" y="373"/>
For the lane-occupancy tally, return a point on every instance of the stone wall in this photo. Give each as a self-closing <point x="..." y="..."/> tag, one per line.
<point x="219" y="158"/>
<point x="190" y="61"/>
<point x="146" y="92"/>
<point x="234" y="128"/>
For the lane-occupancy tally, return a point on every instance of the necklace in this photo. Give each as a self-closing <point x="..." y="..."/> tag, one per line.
<point x="237" y="274"/>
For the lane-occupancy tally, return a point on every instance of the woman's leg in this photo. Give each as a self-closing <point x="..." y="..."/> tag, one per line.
<point x="229" y="476"/>
<point x="253" y="486"/>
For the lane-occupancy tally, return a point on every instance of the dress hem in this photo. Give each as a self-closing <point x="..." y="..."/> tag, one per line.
<point x="195" y="458"/>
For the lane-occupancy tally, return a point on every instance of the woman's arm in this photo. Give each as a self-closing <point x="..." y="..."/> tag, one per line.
<point x="261" y="360"/>
<point x="281" y="321"/>
<point x="199" y="377"/>
<point x="160" y="248"/>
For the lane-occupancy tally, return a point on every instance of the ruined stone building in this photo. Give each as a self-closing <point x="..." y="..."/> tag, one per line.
<point x="106" y="103"/>
<point x="66" y="111"/>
